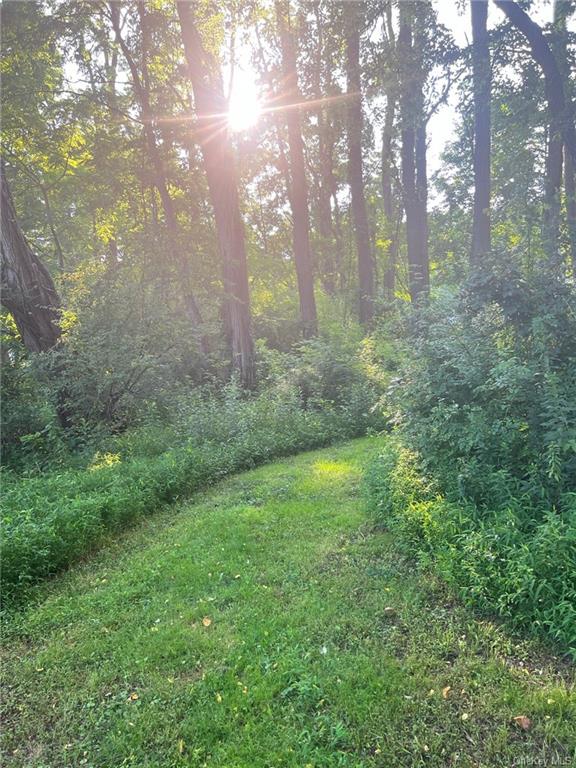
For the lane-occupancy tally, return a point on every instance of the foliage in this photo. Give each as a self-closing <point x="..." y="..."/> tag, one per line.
<point x="486" y="412"/>
<point x="325" y="647"/>
<point x="53" y="519"/>
<point x="517" y="559"/>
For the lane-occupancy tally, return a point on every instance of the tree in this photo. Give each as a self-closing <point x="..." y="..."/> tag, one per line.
<point x="413" y="151"/>
<point x="365" y="261"/>
<point x="392" y="210"/>
<point x="561" y="10"/>
<point x="298" y="185"/>
<point x="142" y="93"/>
<point x="28" y="291"/>
<point x="561" y="125"/>
<point x="325" y="183"/>
<point x="219" y="164"/>
<point x="481" y="84"/>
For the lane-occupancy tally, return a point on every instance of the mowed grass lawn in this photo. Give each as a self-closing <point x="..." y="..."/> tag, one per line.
<point x="266" y="624"/>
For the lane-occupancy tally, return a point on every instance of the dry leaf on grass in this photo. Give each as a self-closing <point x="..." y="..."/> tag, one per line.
<point x="522" y="722"/>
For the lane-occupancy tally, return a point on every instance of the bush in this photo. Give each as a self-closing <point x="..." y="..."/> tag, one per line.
<point x="52" y="520"/>
<point x="518" y="560"/>
<point x="483" y="474"/>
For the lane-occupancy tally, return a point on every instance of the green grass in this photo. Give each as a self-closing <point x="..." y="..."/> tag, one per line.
<point x="323" y="647"/>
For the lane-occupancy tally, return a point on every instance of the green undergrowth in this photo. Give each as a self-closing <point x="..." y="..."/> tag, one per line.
<point x="52" y="519"/>
<point x="267" y="625"/>
<point x="517" y="560"/>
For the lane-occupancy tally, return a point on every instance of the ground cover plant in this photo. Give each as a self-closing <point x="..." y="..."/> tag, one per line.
<point x="267" y="623"/>
<point x="482" y="471"/>
<point x="237" y="230"/>
<point x="55" y="518"/>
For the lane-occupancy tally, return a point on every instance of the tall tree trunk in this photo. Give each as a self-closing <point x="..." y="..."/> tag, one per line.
<point x="561" y="10"/>
<point x="391" y="209"/>
<point x="561" y="124"/>
<point x="355" y="170"/>
<point x="29" y="294"/>
<point x="421" y="164"/>
<point x="570" y="187"/>
<point x="141" y="92"/>
<point x="299" y="187"/>
<point x="325" y="149"/>
<point x="220" y="169"/>
<point x="482" y="90"/>
<point x="28" y="291"/>
<point x="413" y="154"/>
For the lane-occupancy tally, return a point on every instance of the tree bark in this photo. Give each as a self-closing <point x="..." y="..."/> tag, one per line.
<point x="355" y="169"/>
<point x="328" y="270"/>
<point x="561" y="125"/>
<point x="391" y="209"/>
<point x="298" y="184"/>
<point x="28" y="291"/>
<point x="481" y="241"/>
<point x="570" y="187"/>
<point x="29" y="294"/>
<point x="218" y="157"/>
<point x="413" y="155"/>
<point x="561" y="11"/>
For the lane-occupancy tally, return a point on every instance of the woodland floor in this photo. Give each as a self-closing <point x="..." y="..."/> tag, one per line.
<point x="266" y="624"/>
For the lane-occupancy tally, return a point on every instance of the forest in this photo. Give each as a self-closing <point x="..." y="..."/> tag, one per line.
<point x="236" y="231"/>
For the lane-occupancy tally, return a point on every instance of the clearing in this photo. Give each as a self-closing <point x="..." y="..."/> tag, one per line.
<point x="266" y="624"/>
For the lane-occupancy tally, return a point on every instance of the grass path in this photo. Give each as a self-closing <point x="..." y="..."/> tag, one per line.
<point x="265" y="624"/>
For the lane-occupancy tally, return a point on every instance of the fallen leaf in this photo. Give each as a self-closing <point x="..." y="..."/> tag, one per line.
<point x="206" y="621"/>
<point x="219" y="698"/>
<point x="133" y="697"/>
<point x="446" y="691"/>
<point x="180" y="746"/>
<point x="522" y="722"/>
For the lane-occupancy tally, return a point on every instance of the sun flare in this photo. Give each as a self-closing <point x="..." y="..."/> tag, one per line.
<point x="244" y="107"/>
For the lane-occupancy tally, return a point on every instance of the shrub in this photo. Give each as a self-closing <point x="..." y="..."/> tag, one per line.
<point x="518" y="561"/>
<point x="52" y="520"/>
<point x="483" y="473"/>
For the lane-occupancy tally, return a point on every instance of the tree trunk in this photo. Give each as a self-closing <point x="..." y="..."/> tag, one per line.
<point x="561" y="11"/>
<point x="141" y="92"/>
<point x="28" y="292"/>
<point x="570" y="187"/>
<point x="391" y="209"/>
<point x="561" y="127"/>
<point x="355" y="170"/>
<point x="218" y="157"/>
<point x="328" y="269"/>
<point x="413" y="156"/>
<point x="482" y="90"/>
<point x="422" y="199"/>
<point x="299" y="188"/>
